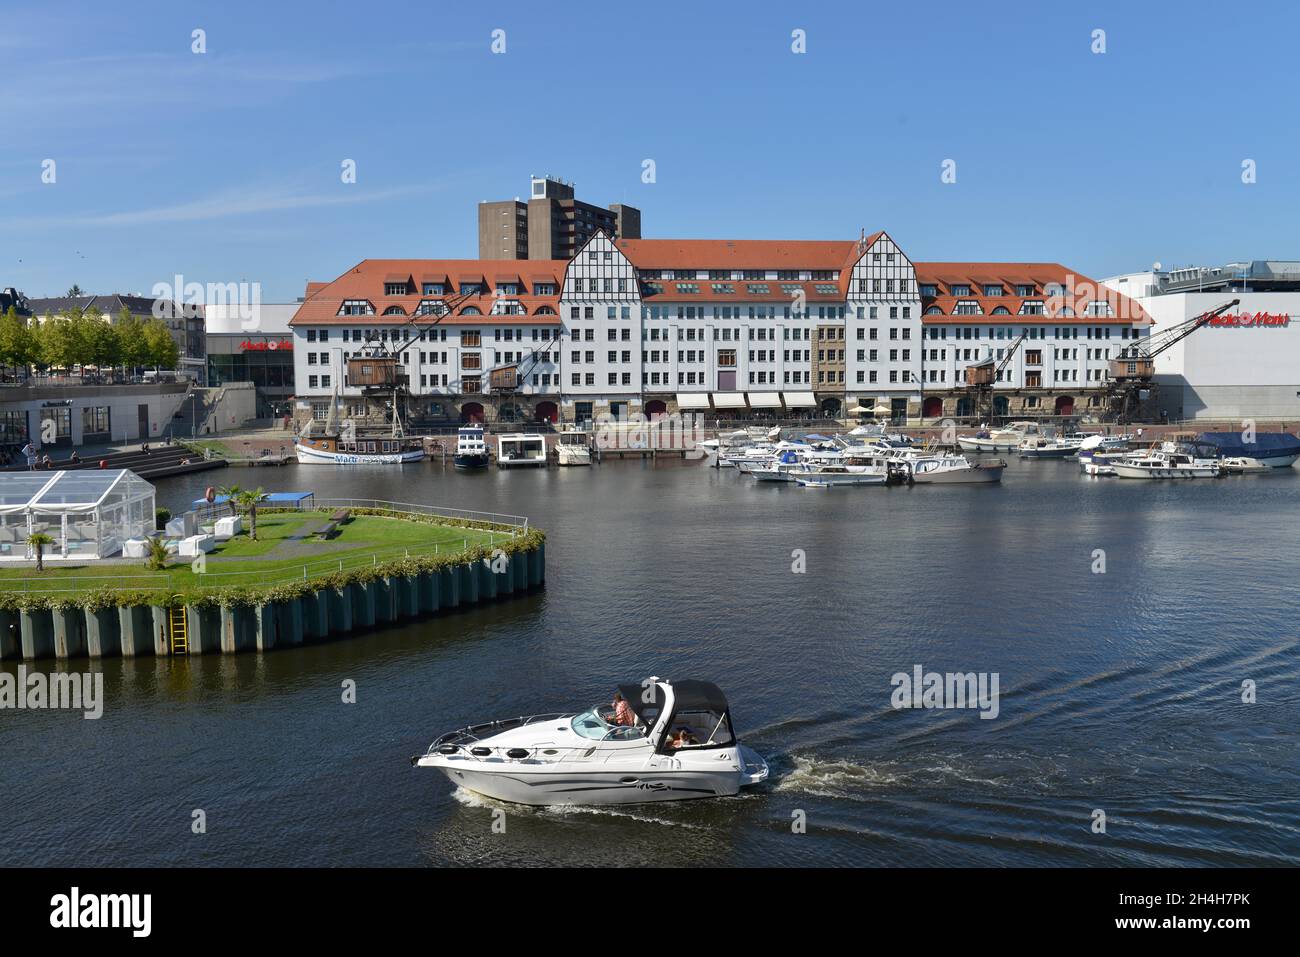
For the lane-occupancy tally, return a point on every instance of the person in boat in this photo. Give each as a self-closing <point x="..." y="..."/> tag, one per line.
<point x="623" y="711"/>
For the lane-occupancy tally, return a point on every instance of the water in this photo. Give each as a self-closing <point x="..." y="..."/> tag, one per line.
<point x="1119" y="691"/>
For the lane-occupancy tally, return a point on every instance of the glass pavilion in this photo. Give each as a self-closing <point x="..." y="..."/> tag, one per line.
<point x="88" y="512"/>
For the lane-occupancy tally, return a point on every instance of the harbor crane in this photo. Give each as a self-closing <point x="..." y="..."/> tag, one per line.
<point x="1132" y="375"/>
<point x="983" y="375"/>
<point x="377" y="369"/>
<point x="506" y="379"/>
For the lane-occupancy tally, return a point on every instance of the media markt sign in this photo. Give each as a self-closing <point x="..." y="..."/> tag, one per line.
<point x="266" y="345"/>
<point x="1245" y="319"/>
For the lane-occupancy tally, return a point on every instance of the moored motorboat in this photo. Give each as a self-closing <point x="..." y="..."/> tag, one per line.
<point x="829" y="475"/>
<point x="1274" y="449"/>
<point x="471" y="449"/>
<point x="1243" y="465"/>
<point x="361" y="450"/>
<point x="953" y="470"/>
<point x="573" y="447"/>
<point x="679" y="746"/>
<point x="1165" y="463"/>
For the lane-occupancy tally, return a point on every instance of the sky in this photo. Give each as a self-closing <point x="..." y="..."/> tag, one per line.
<point x="226" y="165"/>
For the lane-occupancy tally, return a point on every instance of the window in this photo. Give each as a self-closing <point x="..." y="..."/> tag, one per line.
<point x="395" y="289"/>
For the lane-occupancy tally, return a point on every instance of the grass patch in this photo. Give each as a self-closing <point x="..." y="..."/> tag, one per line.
<point x="278" y="553"/>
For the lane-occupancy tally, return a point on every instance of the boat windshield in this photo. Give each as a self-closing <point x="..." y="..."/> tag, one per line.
<point x="591" y="725"/>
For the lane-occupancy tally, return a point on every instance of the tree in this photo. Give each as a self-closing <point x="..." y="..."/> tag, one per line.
<point x="246" y="500"/>
<point x="17" y="346"/>
<point x="161" y="347"/>
<point x="133" y="350"/>
<point x="58" y="342"/>
<point x="75" y="292"/>
<point x="155" y="557"/>
<point x="38" y="541"/>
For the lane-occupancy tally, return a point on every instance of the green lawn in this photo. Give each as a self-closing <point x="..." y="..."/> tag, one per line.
<point x="283" y="548"/>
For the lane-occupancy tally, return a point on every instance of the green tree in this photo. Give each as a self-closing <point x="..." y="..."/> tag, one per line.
<point x="75" y="291"/>
<point x="17" y="345"/>
<point x="162" y="350"/>
<point x="58" y="342"/>
<point x="100" y="342"/>
<point x="246" y="500"/>
<point x="133" y="350"/>
<point x="38" y="541"/>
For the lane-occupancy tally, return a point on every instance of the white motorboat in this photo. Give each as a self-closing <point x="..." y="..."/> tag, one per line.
<point x="1243" y="465"/>
<point x="589" y="759"/>
<point x="573" y="447"/>
<point x="952" y="470"/>
<point x="1006" y="439"/>
<point x="1045" y="447"/>
<point x="521" y="449"/>
<point x="825" y="476"/>
<point x="471" y="449"/>
<point x="1165" y="463"/>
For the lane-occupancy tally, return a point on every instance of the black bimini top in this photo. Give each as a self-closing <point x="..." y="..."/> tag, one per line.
<point x="689" y="695"/>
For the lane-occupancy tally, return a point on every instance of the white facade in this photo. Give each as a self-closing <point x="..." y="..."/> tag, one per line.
<point x="884" y="338"/>
<point x="1247" y="365"/>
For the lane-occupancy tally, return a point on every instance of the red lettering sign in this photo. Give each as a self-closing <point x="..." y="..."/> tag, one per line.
<point x="1245" y="319"/>
<point x="273" y="345"/>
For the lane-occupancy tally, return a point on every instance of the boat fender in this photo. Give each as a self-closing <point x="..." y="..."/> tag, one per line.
<point x="449" y="749"/>
<point x="516" y="753"/>
<point x="480" y="752"/>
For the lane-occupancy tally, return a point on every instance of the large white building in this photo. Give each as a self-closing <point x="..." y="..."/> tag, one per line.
<point x="734" y="327"/>
<point x="1245" y="363"/>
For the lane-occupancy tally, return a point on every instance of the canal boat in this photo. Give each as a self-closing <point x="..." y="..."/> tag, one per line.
<point x="361" y="450"/>
<point x="680" y="745"/>
<point x="573" y="447"/>
<point x="471" y="449"/>
<point x="1165" y="463"/>
<point x="521" y="450"/>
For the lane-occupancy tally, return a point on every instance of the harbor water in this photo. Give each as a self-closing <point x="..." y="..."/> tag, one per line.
<point x="1122" y="619"/>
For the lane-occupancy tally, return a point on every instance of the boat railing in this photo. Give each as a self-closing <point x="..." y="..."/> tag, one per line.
<point x="474" y="732"/>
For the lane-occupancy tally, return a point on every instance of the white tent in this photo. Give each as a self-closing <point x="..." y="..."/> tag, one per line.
<point x="88" y="512"/>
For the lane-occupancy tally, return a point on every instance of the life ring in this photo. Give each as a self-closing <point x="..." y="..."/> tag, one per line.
<point x="210" y="494"/>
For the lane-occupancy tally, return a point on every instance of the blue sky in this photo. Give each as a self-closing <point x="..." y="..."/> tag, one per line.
<point x="226" y="166"/>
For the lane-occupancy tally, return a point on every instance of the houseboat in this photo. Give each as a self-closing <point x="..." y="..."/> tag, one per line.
<point x="521" y="450"/>
<point x="471" y="449"/>
<point x="573" y="447"/>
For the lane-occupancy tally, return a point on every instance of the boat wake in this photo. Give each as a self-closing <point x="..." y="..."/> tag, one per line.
<point x="823" y="778"/>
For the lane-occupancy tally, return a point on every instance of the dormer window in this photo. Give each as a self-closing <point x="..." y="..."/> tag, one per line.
<point x="929" y="289"/>
<point x="394" y="289"/>
<point x="434" y="289"/>
<point x="1024" y="290"/>
<point x="993" y="289"/>
<point x="471" y="289"/>
<point x="960" y="289"/>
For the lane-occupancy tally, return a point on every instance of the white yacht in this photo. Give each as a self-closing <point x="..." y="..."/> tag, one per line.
<point x="680" y="746"/>
<point x="946" y="469"/>
<point x="521" y="449"/>
<point x="1243" y="465"/>
<point x="1165" y="463"/>
<point x="574" y="447"/>
<point x="824" y="476"/>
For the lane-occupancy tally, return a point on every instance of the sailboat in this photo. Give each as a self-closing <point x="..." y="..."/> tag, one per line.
<point x="343" y="446"/>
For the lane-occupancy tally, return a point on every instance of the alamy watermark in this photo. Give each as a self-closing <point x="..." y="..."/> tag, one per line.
<point x="70" y="691"/>
<point x="179" y="299"/>
<point x="932" y="689"/>
<point x="658" y="433"/>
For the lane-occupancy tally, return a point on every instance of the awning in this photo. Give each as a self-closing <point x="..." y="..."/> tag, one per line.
<point x="728" y="400"/>
<point x="765" y="400"/>
<point x="697" y="400"/>
<point x="800" y="400"/>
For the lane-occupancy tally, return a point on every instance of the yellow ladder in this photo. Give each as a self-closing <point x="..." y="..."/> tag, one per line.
<point x="179" y="628"/>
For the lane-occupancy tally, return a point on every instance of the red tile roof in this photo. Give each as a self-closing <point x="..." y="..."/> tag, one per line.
<point x="366" y="281"/>
<point x="1080" y="291"/>
<point x="742" y="253"/>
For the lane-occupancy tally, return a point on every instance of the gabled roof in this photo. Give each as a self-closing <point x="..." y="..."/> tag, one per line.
<point x="109" y="305"/>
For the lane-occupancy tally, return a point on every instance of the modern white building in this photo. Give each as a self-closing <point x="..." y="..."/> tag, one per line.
<point x="1245" y="363"/>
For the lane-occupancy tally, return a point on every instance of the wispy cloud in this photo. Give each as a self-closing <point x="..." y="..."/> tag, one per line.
<point x="225" y="205"/>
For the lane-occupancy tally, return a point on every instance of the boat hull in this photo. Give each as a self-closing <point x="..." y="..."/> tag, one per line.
<point x="1165" y="472"/>
<point x="308" y="456"/>
<point x="970" y="444"/>
<point x="468" y="463"/>
<point x="588" y="784"/>
<point x="977" y="475"/>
